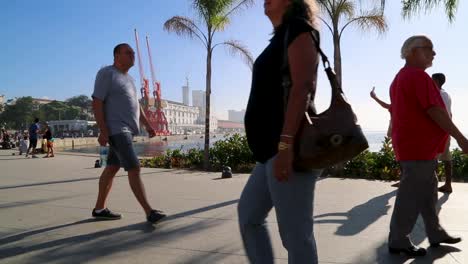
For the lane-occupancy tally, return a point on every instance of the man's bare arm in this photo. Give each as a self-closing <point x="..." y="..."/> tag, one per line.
<point x="98" y="108"/>
<point x="442" y="118"/>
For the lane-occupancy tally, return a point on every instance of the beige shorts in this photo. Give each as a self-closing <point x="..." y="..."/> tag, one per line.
<point x="446" y="155"/>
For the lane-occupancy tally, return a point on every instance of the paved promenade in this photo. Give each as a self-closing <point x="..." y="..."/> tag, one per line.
<point x="45" y="209"/>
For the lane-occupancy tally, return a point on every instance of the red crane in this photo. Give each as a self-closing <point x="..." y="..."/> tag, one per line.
<point x="153" y="110"/>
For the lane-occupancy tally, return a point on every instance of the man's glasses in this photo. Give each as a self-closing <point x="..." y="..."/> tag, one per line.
<point x="424" y="47"/>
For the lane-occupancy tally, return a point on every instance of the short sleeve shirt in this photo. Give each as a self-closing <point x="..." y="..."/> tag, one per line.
<point x="33" y="131"/>
<point x="447" y="101"/>
<point x="264" y="115"/>
<point x="415" y="136"/>
<point x="118" y="92"/>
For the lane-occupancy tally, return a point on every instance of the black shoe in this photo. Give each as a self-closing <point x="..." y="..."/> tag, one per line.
<point x="449" y="240"/>
<point x="155" y="216"/>
<point x="411" y="251"/>
<point x="106" y="214"/>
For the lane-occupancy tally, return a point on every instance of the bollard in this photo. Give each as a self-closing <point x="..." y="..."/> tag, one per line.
<point x="73" y="144"/>
<point x="227" y="172"/>
<point x="168" y="163"/>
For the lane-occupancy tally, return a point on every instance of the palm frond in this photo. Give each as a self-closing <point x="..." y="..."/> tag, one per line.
<point x="240" y="6"/>
<point x="326" y="24"/>
<point x="184" y="26"/>
<point x="238" y="49"/>
<point x="411" y="7"/>
<point x="373" y="19"/>
<point x="220" y="22"/>
<point x="326" y="7"/>
<point x="216" y="13"/>
<point x="346" y="9"/>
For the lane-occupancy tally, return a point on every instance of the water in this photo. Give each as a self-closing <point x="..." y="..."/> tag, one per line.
<point x="146" y="149"/>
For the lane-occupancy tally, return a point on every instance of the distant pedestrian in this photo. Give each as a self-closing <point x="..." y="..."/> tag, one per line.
<point x="23" y="144"/>
<point x="50" y="142"/>
<point x="446" y="156"/>
<point x="271" y="125"/>
<point x="33" y="134"/>
<point x="389" y="129"/>
<point x="420" y="129"/>
<point x="118" y="115"/>
<point x="6" y="144"/>
<point x="385" y="106"/>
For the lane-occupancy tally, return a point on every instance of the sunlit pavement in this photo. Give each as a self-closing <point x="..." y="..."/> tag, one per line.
<point x="45" y="217"/>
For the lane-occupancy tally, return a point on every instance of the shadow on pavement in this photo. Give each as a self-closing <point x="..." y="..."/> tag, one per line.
<point x="214" y="256"/>
<point x="433" y="254"/>
<point x="201" y="209"/>
<point x="418" y="235"/>
<point x="65" y="181"/>
<point x="93" y="246"/>
<point x="33" y="202"/>
<point x="359" y="217"/>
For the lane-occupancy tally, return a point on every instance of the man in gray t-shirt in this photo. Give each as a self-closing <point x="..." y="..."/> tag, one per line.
<point x="118" y="114"/>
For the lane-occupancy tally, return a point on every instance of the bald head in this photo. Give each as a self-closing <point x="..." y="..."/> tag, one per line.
<point x="119" y="47"/>
<point x="124" y="57"/>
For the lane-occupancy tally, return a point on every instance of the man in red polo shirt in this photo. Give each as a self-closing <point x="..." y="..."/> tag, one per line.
<point x="420" y="128"/>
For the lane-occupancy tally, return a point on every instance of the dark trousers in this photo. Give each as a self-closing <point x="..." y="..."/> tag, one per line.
<point x="416" y="195"/>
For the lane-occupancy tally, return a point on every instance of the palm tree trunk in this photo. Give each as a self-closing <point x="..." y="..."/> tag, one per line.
<point x="338" y="169"/>
<point x="337" y="56"/>
<point x="206" y="160"/>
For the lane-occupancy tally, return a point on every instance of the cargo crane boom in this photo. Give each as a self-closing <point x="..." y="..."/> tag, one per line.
<point x="153" y="111"/>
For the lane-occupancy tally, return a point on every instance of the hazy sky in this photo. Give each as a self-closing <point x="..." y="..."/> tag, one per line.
<point x="53" y="49"/>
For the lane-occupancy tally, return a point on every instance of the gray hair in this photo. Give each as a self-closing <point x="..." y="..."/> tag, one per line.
<point x="411" y="43"/>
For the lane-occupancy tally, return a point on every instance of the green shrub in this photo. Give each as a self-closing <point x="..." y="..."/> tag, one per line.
<point x="379" y="165"/>
<point x="233" y="151"/>
<point x="460" y="165"/>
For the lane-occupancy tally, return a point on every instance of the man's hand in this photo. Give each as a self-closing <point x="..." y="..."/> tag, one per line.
<point x="372" y="93"/>
<point x="151" y="132"/>
<point x="463" y="144"/>
<point x="103" y="139"/>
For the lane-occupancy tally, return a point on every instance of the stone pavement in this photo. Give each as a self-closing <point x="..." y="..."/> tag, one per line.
<point x="45" y="208"/>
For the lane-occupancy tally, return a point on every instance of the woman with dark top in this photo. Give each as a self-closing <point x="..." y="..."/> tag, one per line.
<point x="50" y="142"/>
<point x="271" y="123"/>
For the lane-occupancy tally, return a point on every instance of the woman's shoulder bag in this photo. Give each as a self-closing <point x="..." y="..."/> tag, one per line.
<point x="331" y="137"/>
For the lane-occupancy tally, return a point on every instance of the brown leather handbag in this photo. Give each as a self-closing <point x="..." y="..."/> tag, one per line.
<point x="328" y="138"/>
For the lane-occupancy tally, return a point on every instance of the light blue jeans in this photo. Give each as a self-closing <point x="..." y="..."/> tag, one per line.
<point x="293" y="201"/>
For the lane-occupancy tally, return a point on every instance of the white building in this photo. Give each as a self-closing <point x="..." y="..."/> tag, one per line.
<point x="72" y="127"/>
<point x="236" y="116"/>
<point x="199" y="98"/>
<point x="182" y="118"/>
<point x="185" y="95"/>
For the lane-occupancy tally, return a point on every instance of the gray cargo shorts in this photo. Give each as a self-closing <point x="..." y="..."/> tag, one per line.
<point x="121" y="152"/>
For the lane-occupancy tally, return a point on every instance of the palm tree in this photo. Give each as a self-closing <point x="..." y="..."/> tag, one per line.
<point x="215" y="16"/>
<point x="411" y="7"/>
<point x="340" y="14"/>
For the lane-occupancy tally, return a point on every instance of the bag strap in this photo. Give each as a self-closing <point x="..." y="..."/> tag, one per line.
<point x="336" y="88"/>
<point x="324" y="57"/>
